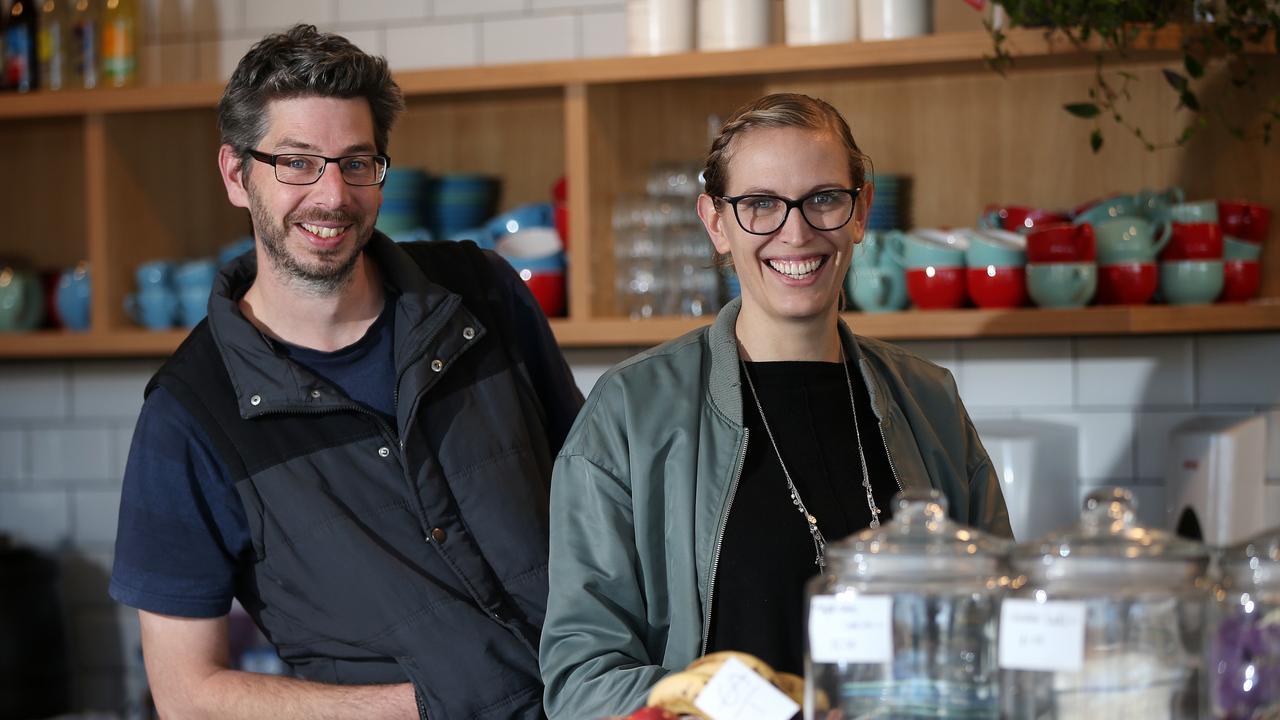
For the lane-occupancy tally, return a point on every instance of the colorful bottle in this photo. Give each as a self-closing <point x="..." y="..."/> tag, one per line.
<point x="20" y="65"/>
<point x="52" y="45"/>
<point x="120" y="43"/>
<point x="83" y="49"/>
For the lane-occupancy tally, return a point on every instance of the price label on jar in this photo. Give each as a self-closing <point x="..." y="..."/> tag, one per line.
<point x="1044" y="636"/>
<point x="851" y="628"/>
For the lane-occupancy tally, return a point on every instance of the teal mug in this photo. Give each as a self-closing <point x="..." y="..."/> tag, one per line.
<point x="1191" y="282"/>
<point x="879" y="248"/>
<point x="21" y="300"/>
<point x="877" y="289"/>
<point x="1131" y="239"/>
<point x="1062" y="285"/>
<point x="995" y="248"/>
<point x="1120" y="206"/>
<point x="933" y="248"/>
<point x="1236" y="249"/>
<point x="1204" y="211"/>
<point x="1155" y="205"/>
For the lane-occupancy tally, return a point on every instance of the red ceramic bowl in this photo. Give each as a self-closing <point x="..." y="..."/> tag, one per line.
<point x="1062" y="242"/>
<point x="1127" y="283"/>
<point x="1194" y="241"/>
<point x="936" y="288"/>
<point x="548" y="289"/>
<point x="1245" y="220"/>
<point x="1240" y="280"/>
<point x="997" y="287"/>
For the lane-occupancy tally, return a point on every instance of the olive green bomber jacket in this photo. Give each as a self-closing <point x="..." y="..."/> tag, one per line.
<point x="643" y="484"/>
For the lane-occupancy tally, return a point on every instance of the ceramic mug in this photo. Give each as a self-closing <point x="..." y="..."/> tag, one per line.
<point x="997" y="287"/>
<point x="1062" y="285"/>
<point x="936" y="288"/>
<point x="1131" y="239"/>
<point x="1194" y="241"/>
<point x="1063" y="242"/>
<point x="1154" y="204"/>
<point x="1236" y="249"/>
<point x="1130" y="283"/>
<point x="1203" y="211"/>
<point x="998" y="248"/>
<point x="1118" y="206"/>
<point x="1191" y="282"/>
<point x="876" y="289"/>
<point x="21" y="300"/>
<point x="1241" y="280"/>
<point x="154" y="309"/>
<point x="154" y="275"/>
<point x="933" y="248"/>
<point x="1244" y="220"/>
<point x="1019" y="218"/>
<point x="73" y="297"/>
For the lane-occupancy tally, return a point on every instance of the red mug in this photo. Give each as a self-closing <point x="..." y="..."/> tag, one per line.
<point x="997" y="287"/>
<point x="1240" y="280"/>
<point x="1244" y="220"/>
<point x="1019" y="218"/>
<point x="1194" y="241"/>
<point x="1062" y="242"/>
<point x="1130" y="283"/>
<point x="548" y="288"/>
<point x="936" y="288"/>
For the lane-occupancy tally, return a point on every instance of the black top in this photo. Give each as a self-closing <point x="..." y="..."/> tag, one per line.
<point x="768" y="555"/>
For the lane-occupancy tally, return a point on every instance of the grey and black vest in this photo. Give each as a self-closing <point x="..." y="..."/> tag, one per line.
<point x="385" y="554"/>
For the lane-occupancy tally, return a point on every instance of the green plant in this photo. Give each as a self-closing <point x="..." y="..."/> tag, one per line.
<point x="1230" y="31"/>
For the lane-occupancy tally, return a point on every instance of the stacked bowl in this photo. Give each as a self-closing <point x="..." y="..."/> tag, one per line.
<point x="527" y="238"/>
<point x="877" y="279"/>
<point x="997" y="275"/>
<point x="458" y="204"/>
<point x="404" y="200"/>
<point x="1191" y="262"/>
<point x="1062" y="269"/>
<point x="1244" y="228"/>
<point x="888" y="209"/>
<point x="1128" y="243"/>
<point x="935" y="263"/>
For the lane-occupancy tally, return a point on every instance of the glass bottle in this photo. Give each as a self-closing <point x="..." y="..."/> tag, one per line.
<point x="120" y="43"/>
<point x="20" y="65"/>
<point x="84" y="46"/>
<point x="52" y="45"/>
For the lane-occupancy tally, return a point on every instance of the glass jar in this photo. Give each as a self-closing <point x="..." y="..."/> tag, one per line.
<point x="1244" y="665"/>
<point x="1105" y="620"/>
<point x="902" y="620"/>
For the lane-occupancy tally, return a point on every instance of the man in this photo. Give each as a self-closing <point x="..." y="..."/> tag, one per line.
<point x="356" y="443"/>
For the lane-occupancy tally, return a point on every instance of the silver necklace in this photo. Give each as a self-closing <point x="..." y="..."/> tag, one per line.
<point x="819" y="542"/>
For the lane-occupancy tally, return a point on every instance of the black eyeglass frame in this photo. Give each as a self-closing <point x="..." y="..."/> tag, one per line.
<point x="269" y="159"/>
<point x="733" y="201"/>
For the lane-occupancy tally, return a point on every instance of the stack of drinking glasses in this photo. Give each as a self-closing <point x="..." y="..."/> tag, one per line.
<point x="662" y="257"/>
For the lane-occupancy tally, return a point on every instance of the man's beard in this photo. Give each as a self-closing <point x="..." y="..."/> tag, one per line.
<point x="331" y="270"/>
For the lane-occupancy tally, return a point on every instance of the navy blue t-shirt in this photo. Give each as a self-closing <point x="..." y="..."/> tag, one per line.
<point x="179" y="548"/>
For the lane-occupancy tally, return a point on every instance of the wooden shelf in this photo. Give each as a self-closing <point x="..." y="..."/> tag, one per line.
<point x="1257" y="316"/>
<point x="926" y="54"/>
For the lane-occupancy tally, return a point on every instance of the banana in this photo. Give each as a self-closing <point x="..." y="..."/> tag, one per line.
<point x="677" y="691"/>
<point x="792" y="685"/>
<point x="716" y="659"/>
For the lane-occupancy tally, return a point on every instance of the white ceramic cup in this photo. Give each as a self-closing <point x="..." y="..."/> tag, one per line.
<point x="821" y="22"/>
<point x="892" y="19"/>
<point x="659" y="27"/>
<point x="733" y="24"/>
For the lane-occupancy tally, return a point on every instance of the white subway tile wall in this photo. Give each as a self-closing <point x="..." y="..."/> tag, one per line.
<point x="65" y="430"/>
<point x="202" y="40"/>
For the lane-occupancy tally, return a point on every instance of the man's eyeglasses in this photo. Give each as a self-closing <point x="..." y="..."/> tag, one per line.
<point x="303" y="169"/>
<point x="766" y="214"/>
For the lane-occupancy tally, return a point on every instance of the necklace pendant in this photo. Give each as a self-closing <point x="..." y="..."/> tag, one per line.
<point x="812" y="520"/>
<point x="875" y="523"/>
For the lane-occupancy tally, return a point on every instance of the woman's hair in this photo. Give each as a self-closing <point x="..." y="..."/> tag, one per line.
<point x="304" y="62"/>
<point x="780" y="110"/>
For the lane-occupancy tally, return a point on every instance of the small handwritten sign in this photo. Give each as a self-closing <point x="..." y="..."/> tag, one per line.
<point x="1044" y="636"/>
<point x="851" y="629"/>
<point x="736" y="692"/>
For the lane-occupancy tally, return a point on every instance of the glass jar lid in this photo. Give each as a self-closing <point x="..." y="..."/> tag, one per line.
<point x="1255" y="561"/>
<point x="919" y="543"/>
<point x="1109" y="543"/>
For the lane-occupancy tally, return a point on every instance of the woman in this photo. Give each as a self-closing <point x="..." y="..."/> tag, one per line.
<point x="697" y="491"/>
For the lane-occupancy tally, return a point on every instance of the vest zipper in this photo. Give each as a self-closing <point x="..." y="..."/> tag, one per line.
<point x="715" y="557"/>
